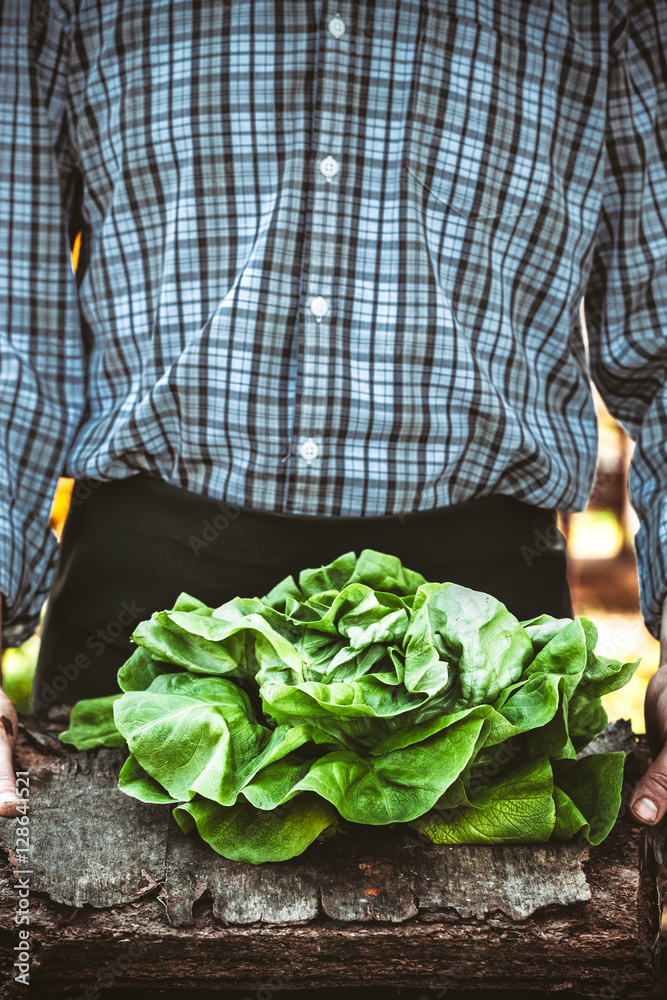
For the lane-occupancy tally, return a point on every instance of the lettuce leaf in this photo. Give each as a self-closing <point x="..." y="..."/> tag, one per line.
<point x="243" y="833"/>
<point x="91" y="724"/>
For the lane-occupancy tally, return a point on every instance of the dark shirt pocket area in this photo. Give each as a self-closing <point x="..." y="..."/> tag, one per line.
<point x="481" y="120"/>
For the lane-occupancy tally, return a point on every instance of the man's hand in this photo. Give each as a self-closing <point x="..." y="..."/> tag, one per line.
<point x="9" y="724"/>
<point x="649" y="799"/>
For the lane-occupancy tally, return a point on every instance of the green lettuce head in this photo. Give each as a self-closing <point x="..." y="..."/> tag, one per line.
<point x="364" y="693"/>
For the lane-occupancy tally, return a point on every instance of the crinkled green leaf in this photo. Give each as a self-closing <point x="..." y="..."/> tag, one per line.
<point x="516" y="808"/>
<point x="199" y="734"/>
<point x="587" y="718"/>
<point x="397" y="786"/>
<point x="244" y="833"/>
<point x="564" y="654"/>
<point x="590" y="796"/>
<point x="139" y="672"/>
<point x="604" y="676"/>
<point x="380" y="571"/>
<point x="276" y="783"/>
<point x="542" y="629"/>
<point x="472" y="632"/>
<point x="91" y="724"/>
<point x="167" y="639"/>
<point x="374" y="569"/>
<point x="134" y="781"/>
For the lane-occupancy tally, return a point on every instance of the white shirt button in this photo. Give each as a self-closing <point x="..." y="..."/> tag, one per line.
<point x="309" y="450"/>
<point x="329" y="167"/>
<point x="337" y="26"/>
<point x="319" y="307"/>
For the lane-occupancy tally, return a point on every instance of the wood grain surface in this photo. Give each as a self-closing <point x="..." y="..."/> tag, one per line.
<point x="120" y="896"/>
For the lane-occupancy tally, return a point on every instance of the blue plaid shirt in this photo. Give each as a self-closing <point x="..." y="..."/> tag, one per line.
<point x="333" y="256"/>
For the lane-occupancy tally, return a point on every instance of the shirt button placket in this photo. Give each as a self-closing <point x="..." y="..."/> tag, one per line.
<point x="318" y="401"/>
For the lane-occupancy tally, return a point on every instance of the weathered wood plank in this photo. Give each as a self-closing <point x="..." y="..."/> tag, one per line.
<point x="111" y="839"/>
<point x="501" y="879"/>
<point x="375" y="907"/>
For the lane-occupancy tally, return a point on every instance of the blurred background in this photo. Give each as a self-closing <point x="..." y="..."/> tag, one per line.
<point x="602" y="571"/>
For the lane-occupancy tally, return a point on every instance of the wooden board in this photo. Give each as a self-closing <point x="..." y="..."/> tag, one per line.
<point x="116" y="885"/>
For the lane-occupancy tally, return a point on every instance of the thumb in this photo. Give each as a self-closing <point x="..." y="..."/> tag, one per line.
<point x="649" y="799"/>
<point x="9" y="799"/>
